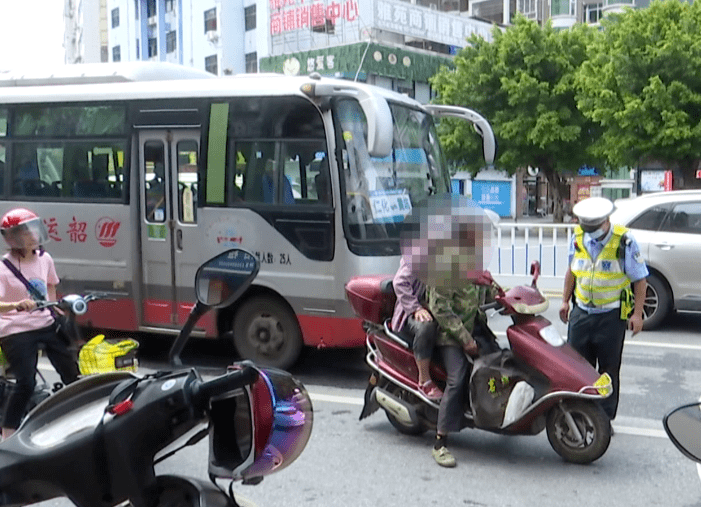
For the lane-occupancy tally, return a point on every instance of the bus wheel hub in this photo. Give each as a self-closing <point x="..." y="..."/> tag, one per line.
<point x="267" y="335"/>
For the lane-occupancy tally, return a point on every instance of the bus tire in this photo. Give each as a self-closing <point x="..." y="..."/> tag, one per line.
<point x="267" y="332"/>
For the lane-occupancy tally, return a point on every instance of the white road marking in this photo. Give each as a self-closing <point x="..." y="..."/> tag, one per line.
<point x="680" y="346"/>
<point x="622" y="430"/>
<point x="341" y="396"/>
<point x="330" y="398"/>
<point x="636" y="342"/>
<point x="640" y="432"/>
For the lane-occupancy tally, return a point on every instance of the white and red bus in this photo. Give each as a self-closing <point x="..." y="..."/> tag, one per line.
<point x="141" y="171"/>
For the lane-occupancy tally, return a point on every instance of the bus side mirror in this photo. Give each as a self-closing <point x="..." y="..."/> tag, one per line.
<point x="479" y="122"/>
<point x="375" y="108"/>
<point x="379" y="118"/>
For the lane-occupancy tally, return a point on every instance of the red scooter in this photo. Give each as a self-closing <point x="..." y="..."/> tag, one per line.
<point x="538" y="383"/>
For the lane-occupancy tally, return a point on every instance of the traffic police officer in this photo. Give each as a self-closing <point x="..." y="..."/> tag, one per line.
<point x="604" y="261"/>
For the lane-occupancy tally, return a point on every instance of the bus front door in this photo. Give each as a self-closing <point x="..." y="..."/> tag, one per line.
<point x="168" y="162"/>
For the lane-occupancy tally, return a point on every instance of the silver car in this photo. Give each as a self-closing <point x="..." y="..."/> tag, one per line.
<point x="667" y="226"/>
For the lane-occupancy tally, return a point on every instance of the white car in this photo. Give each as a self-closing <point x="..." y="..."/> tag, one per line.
<point x="667" y="226"/>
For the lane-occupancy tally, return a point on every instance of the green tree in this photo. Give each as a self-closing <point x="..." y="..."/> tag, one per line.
<point x="642" y="84"/>
<point x="523" y="82"/>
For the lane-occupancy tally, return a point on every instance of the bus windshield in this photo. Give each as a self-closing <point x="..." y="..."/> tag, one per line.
<point x="379" y="192"/>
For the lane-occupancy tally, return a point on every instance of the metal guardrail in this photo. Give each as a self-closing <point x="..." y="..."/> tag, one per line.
<point x="519" y="244"/>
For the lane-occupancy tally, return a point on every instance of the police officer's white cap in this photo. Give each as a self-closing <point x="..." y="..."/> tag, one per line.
<point x="593" y="210"/>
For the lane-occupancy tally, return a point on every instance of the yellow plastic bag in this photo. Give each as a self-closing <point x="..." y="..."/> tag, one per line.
<point x="102" y="356"/>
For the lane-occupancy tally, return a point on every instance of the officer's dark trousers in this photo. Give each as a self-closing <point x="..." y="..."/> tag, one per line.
<point x="598" y="337"/>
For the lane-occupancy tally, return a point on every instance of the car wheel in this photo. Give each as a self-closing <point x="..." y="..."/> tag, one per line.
<point x="657" y="302"/>
<point x="267" y="331"/>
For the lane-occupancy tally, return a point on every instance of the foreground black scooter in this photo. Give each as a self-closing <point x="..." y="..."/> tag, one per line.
<point x="97" y="440"/>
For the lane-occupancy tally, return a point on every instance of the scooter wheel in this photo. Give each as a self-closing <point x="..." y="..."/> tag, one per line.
<point x="415" y="430"/>
<point x="593" y="425"/>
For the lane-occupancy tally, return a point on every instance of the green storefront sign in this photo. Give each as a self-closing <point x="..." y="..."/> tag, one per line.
<point x="346" y="61"/>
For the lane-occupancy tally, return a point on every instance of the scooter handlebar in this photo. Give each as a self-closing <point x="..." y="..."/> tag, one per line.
<point x="490" y="306"/>
<point x="73" y="303"/>
<point x="203" y="391"/>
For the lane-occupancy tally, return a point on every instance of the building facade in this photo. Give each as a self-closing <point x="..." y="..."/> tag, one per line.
<point x="564" y="13"/>
<point x="390" y="43"/>
<point x="206" y="34"/>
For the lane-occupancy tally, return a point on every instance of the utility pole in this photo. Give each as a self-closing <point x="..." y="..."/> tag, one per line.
<point x="73" y="35"/>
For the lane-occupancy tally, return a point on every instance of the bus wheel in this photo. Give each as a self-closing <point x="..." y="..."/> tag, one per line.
<point x="266" y="331"/>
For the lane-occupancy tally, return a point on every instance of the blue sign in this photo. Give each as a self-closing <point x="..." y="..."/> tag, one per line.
<point x="457" y="186"/>
<point x="493" y="195"/>
<point x="585" y="170"/>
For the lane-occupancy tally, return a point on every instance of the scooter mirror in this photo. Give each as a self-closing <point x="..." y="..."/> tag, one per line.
<point x="683" y="426"/>
<point x="222" y="279"/>
<point x="535" y="271"/>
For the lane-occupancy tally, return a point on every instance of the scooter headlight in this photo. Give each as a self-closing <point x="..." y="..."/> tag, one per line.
<point x="551" y="335"/>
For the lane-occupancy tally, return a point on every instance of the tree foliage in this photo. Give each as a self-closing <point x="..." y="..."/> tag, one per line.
<point x="523" y="82"/>
<point x="642" y="84"/>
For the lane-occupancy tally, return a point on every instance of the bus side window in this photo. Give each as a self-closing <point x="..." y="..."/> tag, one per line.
<point x="26" y="171"/>
<point x="154" y="181"/>
<point x="187" y="181"/>
<point x="89" y="174"/>
<point x="259" y="181"/>
<point x="270" y="184"/>
<point x="322" y="180"/>
<point x="2" y="168"/>
<point x="306" y="173"/>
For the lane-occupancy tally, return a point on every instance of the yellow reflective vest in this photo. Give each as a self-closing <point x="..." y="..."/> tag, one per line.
<point x="599" y="282"/>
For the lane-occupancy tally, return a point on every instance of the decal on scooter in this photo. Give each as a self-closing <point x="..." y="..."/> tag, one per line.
<point x="168" y="384"/>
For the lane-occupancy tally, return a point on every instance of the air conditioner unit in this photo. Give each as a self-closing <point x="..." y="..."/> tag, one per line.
<point x="212" y="36"/>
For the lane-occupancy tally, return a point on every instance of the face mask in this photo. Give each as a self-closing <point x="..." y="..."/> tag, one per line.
<point x="598" y="233"/>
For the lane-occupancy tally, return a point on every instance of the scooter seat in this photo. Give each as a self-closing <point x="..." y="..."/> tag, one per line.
<point x="401" y="338"/>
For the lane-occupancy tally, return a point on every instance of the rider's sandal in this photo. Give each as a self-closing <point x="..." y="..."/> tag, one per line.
<point x="431" y="391"/>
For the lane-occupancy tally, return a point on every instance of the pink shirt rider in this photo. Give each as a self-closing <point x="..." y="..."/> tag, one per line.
<point x="39" y="271"/>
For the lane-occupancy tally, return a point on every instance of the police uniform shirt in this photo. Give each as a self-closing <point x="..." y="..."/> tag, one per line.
<point x="633" y="262"/>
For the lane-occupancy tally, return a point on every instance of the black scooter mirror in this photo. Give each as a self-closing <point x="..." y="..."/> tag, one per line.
<point x="535" y="272"/>
<point x="218" y="283"/>
<point x="683" y="426"/>
<point x="221" y="281"/>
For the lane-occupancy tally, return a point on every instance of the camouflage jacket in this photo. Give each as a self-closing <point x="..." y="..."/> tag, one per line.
<point x="455" y="311"/>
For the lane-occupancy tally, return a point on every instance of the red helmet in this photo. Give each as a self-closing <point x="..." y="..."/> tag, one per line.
<point x="16" y="217"/>
<point x="21" y="219"/>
